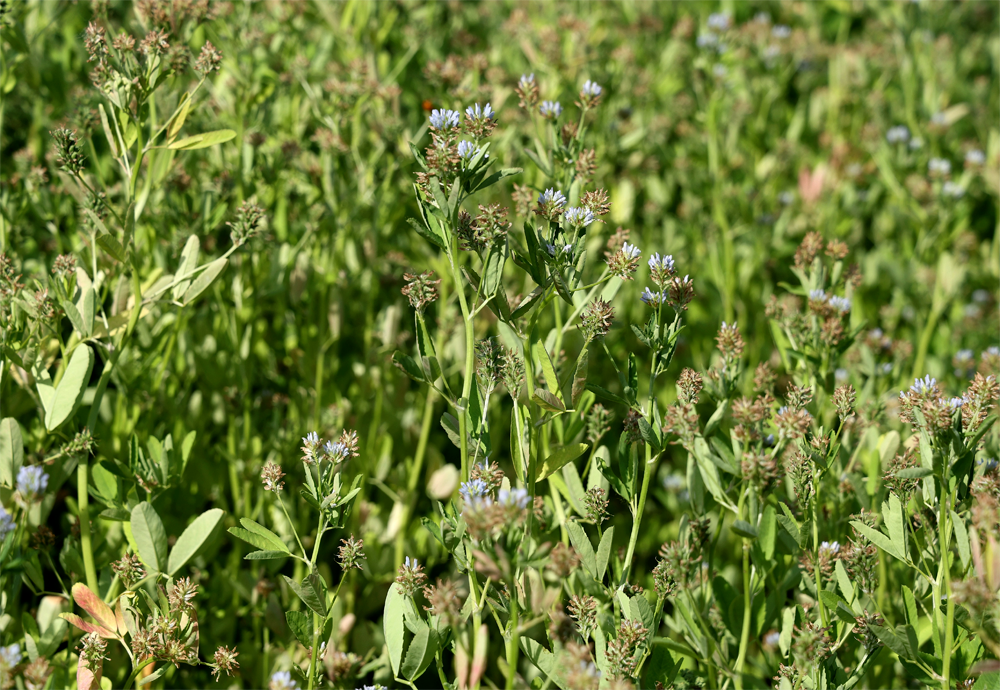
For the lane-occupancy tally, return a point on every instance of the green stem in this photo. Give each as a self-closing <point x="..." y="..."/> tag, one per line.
<point x="82" y="470"/>
<point x="86" y="545"/>
<point x="944" y="533"/>
<point x="470" y="365"/>
<point x="647" y="471"/>
<point x="747" y="609"/>
<point x="512" y="639"/>
<point x="135" y="672"/>
<point x="317" y="623"/>
<point x="477" y="620"/>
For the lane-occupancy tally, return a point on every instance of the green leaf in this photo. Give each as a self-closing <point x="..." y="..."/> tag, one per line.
<point x="259" y="536"/>
<point x="70" y="390"/>
<point x="528" y="303"/>
<point x="201" y="141"/>
<point x="204" y="279"/>
<point x="791" y="525"/>
<point x="559" y="458"/>
<point x="420" y="653"/>
<point x="909" y="605"/>
<point x="605" y="394"/>
<point x="176" y="121"/>
<point x="543" y="659"/>
<point x="787" y="627"/>
<point x="892" y="514"/>
<point x="877" y="538"/>
<point x="189" y="262"/>
<point x="300" y="623"/>
<point x="710" y="473"/>
<point x="11" y="451"/>
<point x="744" y="529"/>
<point x="192" y="539"/>
<point x="426" y="233"/>
<point x="129" y="225"/>
<point x="265" y="555"/>
<point x="310" y="592"/>
<point x="649" y="435"/>
<point x="662" y="667"/>
<point x="844" y="581"/>
<point x="74" y="316"/>
<point x="640" y="610"/>
<point x="580" y="376"/>
<point x="837" y="604"/>
<point x="112" y="139"/>
<point x="87" y="311"/>
<point x="393" y="625"/>
<point x="604" y="552"/>
<point x="961" y="538"/>
<point x="581" y="542"/>
<point x="768" y="531"/>
<point x="408" y="366"/>
<point x="541" y="356"/>
<point x="914" y="473"/>
<point x="547" y="401"/>
<point x="150" y="537"/>
<point x="155" y="675"/>
<point x="112" y="246"/>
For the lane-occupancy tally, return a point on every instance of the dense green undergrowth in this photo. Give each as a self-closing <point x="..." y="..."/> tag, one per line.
<point x="577" y="345"/>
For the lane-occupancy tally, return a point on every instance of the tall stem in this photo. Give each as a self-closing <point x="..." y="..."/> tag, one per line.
<point x="317" y="623"/>
<point x="512" y="640"/>
<point x="83" y="499"/>
<point x="470" y="364"/>
<point x="647" y="471"/>
<point x="943" y="537"/>
<point x="747" y="608"/>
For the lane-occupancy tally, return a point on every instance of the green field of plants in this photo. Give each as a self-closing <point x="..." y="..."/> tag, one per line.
<point x="563" y="346"/>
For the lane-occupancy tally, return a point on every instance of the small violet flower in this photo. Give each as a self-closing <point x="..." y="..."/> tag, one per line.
<point x="444" y="119"/>
<point x="551" y="197"/>
<point x="467" y="150"/>
<point x="580" y="216"/>
<point x="32" y="480"/>
<point x="975" y="157"/>
<point x="550" y="109"/>
<point x="631" y="251"/>
<point x="897" y="134"/>
<point x="474" y="112"/>
<point x="939" y="165"/>
<point x="282" y="680"/>
<point x="6" y="522"/>
<point x="653" y="299"/>
<point x="924" y="385"/>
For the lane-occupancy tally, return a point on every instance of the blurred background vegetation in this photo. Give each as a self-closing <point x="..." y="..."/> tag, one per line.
<point x="722" y="148"/>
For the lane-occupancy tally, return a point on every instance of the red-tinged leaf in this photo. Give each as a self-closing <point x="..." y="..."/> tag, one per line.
<point x="83" y="625"/>
<point x="94" y="605"/>
<point x="120" y="618"/>
<point x="87" y="679"/>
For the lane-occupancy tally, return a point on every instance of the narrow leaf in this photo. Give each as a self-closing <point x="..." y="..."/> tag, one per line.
<point x="70" y="390"/>
<point x="393" y="626"/>
<point x="581" y="542"/>
<point x="204" y="279"/>
<point x="192" y="539"/>
<point x="559" y="458"/>
<point x="149" y="535"/>
<point x="201" y="141"/>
